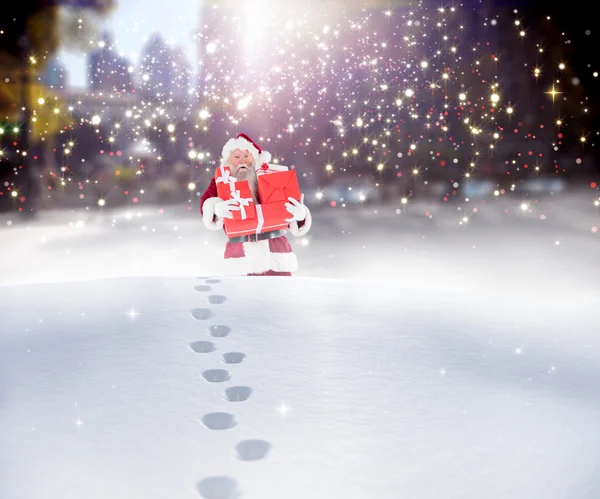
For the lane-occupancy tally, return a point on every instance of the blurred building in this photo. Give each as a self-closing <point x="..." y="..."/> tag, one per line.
<point x="259" y="65"/>
<point x="182" y="75"/>
<point x="156" y="68"/>
<point x="109" y="71"/>
<point x="55" y="75"/>
<point x="287" y="73"/>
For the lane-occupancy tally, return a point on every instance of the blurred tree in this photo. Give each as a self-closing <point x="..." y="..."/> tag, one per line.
<point x="30" y="33"/>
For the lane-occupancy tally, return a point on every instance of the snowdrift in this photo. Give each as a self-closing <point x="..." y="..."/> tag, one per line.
<point x="274" y="387"/>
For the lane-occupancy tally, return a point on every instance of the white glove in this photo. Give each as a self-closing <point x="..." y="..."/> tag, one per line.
<point x="224" y="208"/>
<point x="296" y="209"/>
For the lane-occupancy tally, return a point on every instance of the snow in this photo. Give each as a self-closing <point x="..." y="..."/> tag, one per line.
<point x="354" y="389"/>
<point x="501" y="245"/>
<point x="409" y="357"/>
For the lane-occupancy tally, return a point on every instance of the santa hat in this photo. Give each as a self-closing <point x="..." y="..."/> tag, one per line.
<point x="245" y="143"/>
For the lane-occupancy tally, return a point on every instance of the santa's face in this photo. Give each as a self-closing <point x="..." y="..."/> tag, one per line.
<point x="242" y="168"/>
<point x="241" y="163"/>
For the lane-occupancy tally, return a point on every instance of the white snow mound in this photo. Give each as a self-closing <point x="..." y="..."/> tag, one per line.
<point x="295" y="388"/>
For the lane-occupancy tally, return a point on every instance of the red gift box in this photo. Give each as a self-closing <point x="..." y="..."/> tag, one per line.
<point x="267" y="219"/>
<point x="243" y="196"/>
<point x="225" y="182"/>
<point x="277" y="185"/>
<point x="229" y="188"/>
<point x="274" y="216"/>
<point x="274" y="189"/>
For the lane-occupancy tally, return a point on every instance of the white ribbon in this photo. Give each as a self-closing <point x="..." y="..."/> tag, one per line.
<point x="261" y="218"/>
<point x="226" y="178"/>
<point x="243" y="202"/>
<point x="270" y="169"/>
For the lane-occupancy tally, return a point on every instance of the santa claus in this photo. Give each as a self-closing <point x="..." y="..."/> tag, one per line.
<point x="268" y="254"/>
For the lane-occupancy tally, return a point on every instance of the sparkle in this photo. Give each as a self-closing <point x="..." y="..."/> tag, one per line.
<point x="283" y="409"/>
<point x="442" y="82"/>
<point x="132" y="313"/>
<point x="553" y="92"/>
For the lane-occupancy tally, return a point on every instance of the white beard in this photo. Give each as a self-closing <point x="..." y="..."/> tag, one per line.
<point x="253" y="183"/>
<point x="252" y="179"/>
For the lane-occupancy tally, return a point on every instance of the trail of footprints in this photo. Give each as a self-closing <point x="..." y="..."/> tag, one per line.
<point x="223" y="487"/>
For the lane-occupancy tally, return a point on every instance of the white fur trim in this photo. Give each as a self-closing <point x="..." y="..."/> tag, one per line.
<point x="258" y="259"/>
<point x="264" y="157"/>
<point x="208" y="214"/>
<point x="301" y="231"/>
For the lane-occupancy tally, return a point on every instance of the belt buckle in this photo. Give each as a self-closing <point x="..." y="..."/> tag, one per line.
<point x="252" y="238"/>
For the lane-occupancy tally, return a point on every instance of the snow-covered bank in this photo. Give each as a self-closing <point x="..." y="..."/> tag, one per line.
<point x="351" y="390"/>
<point x="549" y="248"/>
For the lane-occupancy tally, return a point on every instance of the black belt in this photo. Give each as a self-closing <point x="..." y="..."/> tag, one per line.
<point x="256" y="237"/>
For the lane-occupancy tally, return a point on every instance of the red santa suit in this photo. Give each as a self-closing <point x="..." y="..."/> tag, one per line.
<point x="273" y="256"/>
<point x="262" y="254"/>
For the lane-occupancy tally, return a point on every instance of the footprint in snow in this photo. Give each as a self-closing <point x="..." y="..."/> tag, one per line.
<point x="203" y="346"/>
<point x="202" y="314"/>
<point x="219" y="331"/>
<point x="252" y="450"/>
<point x="234" y="357"/>
<point x="216" y="299"/>
<point x="218" y="487"/>
<point x="202" y="287"/>
<point x="213" y="281"/>
<point x="216" y="375"/>
<point x="238" y="393"/>
<point x="219" y="421"/>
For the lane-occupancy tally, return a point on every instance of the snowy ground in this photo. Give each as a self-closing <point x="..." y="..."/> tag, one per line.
<point x="352" y="390"/>
<point x="410" y="357"/>
<point x="551" y="246"/>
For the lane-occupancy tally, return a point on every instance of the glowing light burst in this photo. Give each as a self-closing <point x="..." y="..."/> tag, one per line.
<point x="132" y="313"/>
<point x="553" y="93"/>
<point x="368" y="85"/>
<point x="283" y="408"/>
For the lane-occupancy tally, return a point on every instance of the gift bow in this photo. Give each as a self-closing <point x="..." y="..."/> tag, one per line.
<point x="243" y="202"/>
<point x="226" y="177"/>
<point x="267" y="168"/>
